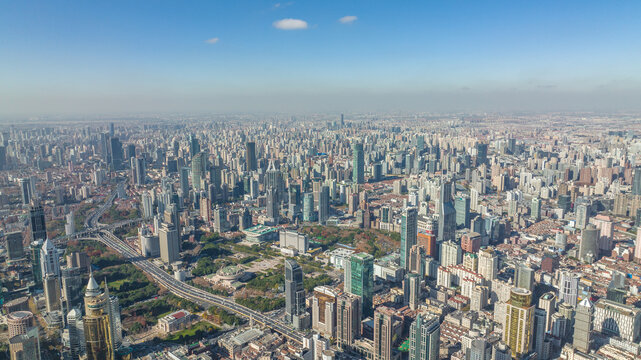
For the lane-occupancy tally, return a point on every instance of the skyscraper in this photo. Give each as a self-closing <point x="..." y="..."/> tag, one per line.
<point x="408" y="234"/>
<point x="198" y="168"/>
<point x="49" y="261"/>
<point x="451" y="253"/>
<point x="184" y="182"/>
<point x="37" y="222"/>
<point x="583" y="326"/>
<point x="359" y="280"/>
<point x="636" y="182"/>
<point x="76" y="333"/>
<point x="15" y="247"/>
<point x="358" y="163"/>
<point x="462" y="208"/>
<point x="488" y="263"/>
<point x="323" y="205"/>
<point x="568" y="287"/>
<point x="524" y="277"/>
<point x="425" y="334"/>
<point x="98" y="327"/>
<point x="25" y="346"/>
<point x="147" y="205"/>
<point x="194" y="145"/>
<point x="383" y="333"/>
<point x="541" y="346"/>
<point x="582" y="215"/>
<point x="294" y="293"/>
<point x="24" y="190"/>
<point x="52" y="292"/>
<point x="250" y="156"/>
<point x="588" y="248"/>
<point x="519" y="322"/>
<point x="348" y="319"/>
<point x="535" y="209"/>
<point x="273" y="206"/>
<point x="447" y="213"/>
<point x="481" y="153"/>
<point x="140" y="171"/>
<point x="308" y="207"/>
<point x="412" y="290"/>
<point x="324" y="311"/>
<point x="169" y="243"/>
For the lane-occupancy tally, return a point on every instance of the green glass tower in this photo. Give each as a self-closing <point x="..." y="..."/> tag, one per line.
<point x="361" y="280"/>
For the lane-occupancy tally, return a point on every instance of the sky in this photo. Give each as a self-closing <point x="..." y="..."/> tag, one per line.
<point x="84" y="57"/>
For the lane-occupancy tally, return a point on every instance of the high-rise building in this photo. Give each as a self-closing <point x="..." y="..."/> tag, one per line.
<point x="117" y="155"/>
<point x="324" y="311"/>
<point x="358" y="163"/>
<point x="447" y="213"/>
<point x="481" y="153"/>
<point x="614" y="319"/>
<point x="547" y="302"/>
<point x="636" y="182"/>
<point x="359" y="280"/>
<point x="184" y="181"/>
<point x="462" y="208"/>
<point x="425" y="334"/>
<point x="76" y="333"/>
<point x="568" y="287"/>
<point x="169" y="243"/>
<point x="114" y="315"/>
<point x="308" y="207"/>
<point x="588" y="248"/>
<point x="637" y="247"/>
<point x="451" y="253"/>
<point x="535" y="209"/>
<point x="49" y="259"/>
<point x="198" y="168"/>
<point x="194" y="145"/>
<point x="383" y="333"/>
<point x="250" y="156"/>
<point x="273" y="206"/>
<point x="15" y="247"/>
<point x="25" y="191"/>
<point x="582" y="215"/>
<point x="519" y="322"/>
<point x="583" y="326"/>
<point x="140" y="171"/>
<point x="412" y="290"/>
<point x="72" y="282"/>
<point x="488" y="263"/>
<point x="541" y="345"/>
<point x="408" y="234"/>
<point x="36" y="266"/>
<point x="19" y="322"/>
<point x="147" y="205"/>
<point x="51" y="285"/>
<point x="37" y="222"/>
<point x="524" y="277"/>
<point x="348" y="320"/>
<point x="25" y="346"/>
<point x="323" y="204"/>
<point x="294" y="293"/>
<point x="98" y="327"/>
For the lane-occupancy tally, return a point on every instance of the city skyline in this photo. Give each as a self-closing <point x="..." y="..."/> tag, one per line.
<point x="319" y="57"/>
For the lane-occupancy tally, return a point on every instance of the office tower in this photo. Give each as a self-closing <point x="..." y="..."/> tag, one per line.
<point x="221" y="224"/>
<point x="568" y="287"/>
<point x="19" y="322"/>
<point x="15" y="247"/>
<point x="114" y="315"/>
<point x="561" y="241"/>
<point x="323" y="205"/>
<point x="412" y="290"/>
<point x="636" y="182"/>
<point x="112" y="133"/>
<point x="308" y="207"/>
<point x="479" y="298"/>
<point x="294" y="293"/>
<point x="425" y="334"/>
<point x="3" y="158"/>
<point x="524" y="277"/>
<point x="76" y="333"/>
<point x="564" y="202"/>
<point x="500" y="351"/>
<point x="147" y="205"/>
<point x="70" y="225"/>
<point x="488" y="263"/>
<point x="272" y="206"/>
<point x="583" y="326"/>
<point x="619" y="320"/>
<point x="324" y="311"/>
<point x="451" y="254"/>
<point x="447" y="213"/>
<point x="358" y="163"/>
<point x="98" y="327"/>
<point x="588" y="248"/>
<point x="481" y="153"/>
<point x="535" y="209"/>
<point x="541" y="346"/>
<point x="348" y="320"/>
<point x="25" y="190"/>
<point x="171" y="216"/>
<point x="274" y="178"/>
<point x="37" y="222"/>
<point x="25" y="346"/>
<point x="36" y="267"/>
<point x="462" y="208"/>
<point x="408" y="234"/>
<point x="383" y="333"/>
<point x="169" y="243"/>
<point x="139" y="171"/>
<point x="71" y="287"/>
<point x="49" y="262"/>
<point x="149" y="243"/>
<point x="547" y="302"/>
<point x="250" y="156"/>
<point x="519" y="322"/>
<point x="184" y="181"/>
<point x="479" y="350"/>
<point x="416" y="262"/>
<point x="117" y="155"/>
<point x="198" y="168"/>
<point x="51" y="285"/>
<point x="582" y="215"/>
<point x="359" y="280"/>
<point x="194" y="145"/>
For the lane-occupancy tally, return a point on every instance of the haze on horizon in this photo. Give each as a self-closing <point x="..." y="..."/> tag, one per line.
<point x="121" y="56"/>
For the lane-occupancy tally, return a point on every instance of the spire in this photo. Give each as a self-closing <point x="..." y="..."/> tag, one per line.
<point x="93" y="289"/>
<point x="586" y="303"/>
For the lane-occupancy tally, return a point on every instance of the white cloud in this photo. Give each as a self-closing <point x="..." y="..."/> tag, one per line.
<point x="347" y="19"/>
<point x="290" y="24"/>
<point x="212" y="40"/>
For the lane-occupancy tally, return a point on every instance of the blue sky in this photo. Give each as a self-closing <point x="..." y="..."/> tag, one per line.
<point x="149" y="56"/>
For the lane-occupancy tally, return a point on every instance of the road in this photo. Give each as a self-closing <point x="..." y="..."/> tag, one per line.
<point x="191" y="293"/>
